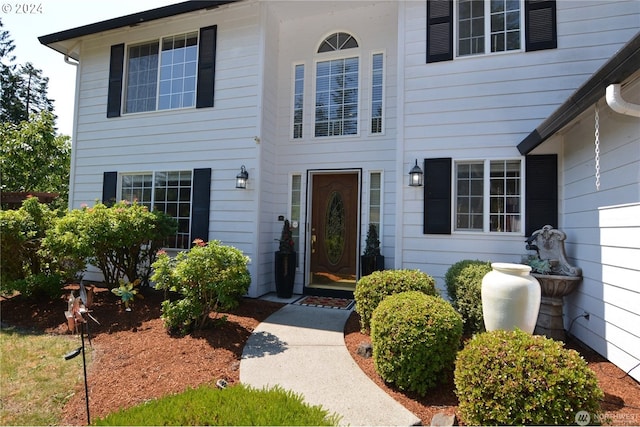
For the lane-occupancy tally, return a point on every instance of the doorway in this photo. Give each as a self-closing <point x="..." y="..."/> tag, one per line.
<point x="334" y="231"/>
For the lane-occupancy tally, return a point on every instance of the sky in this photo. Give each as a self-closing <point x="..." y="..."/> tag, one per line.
<point x="51" y="16"/>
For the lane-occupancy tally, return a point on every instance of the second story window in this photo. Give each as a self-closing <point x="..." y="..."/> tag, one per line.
<point x="337" y="89"/>
<point x="337" y="97"/>
<point x="377" y="89"/>
<point x="162" y="74"/>
<point x="298" y="100"/>
<point x="458" y="28"/>
<point x="488" y="26"/>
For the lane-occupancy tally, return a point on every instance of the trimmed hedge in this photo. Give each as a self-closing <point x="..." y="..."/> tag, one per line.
<point x="415" y="339"/>
<point x="464" y="285"/>
<point x="513" y="378"/>
<point x="372" y="289"/>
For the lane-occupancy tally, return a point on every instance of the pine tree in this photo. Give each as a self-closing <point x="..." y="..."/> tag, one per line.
<point x="23" y="89"/>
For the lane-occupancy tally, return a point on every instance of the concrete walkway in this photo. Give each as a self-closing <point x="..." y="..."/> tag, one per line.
<point x="302" y="349"/>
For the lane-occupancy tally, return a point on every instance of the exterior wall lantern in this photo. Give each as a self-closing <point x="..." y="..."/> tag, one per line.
<point x="415" y="176"/>
<point x="242" y="178"/>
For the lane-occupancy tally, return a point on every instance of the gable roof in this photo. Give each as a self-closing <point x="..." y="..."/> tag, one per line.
<point x="621" y="65"/>
<point x="53" y="40"/>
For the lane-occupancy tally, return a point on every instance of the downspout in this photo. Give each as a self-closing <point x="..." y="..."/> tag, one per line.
<point x="72" y="166"/>
<point x="619" y="105"/>
<point x="66" y="55"/>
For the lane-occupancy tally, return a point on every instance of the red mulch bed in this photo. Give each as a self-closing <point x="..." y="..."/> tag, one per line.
<point x="621" y="401"/>
<point x="136" y="360"/>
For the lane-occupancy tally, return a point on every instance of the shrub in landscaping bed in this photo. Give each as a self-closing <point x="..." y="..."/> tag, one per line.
<point x="210" y="277"/>
<point x="415" y="338"/>
<point x="372" y="289"/>
<point x="121" y="240"/>
<point x="27" y="267"/>
<point x="513" y="378"/>
<point x="238" y="405"/>
<point x="464" y="284"/>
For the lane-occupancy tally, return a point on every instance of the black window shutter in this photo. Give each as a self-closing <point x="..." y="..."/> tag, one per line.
<point x="200" y="204"/>
<point x="437" y="196"/>
<point x="439" y="30"/>
<point x="541" y="192"/>
<point x="114" y="94"/>
<point x="540" y="25"/>
<point x="109" y="186"/>
<point x="206" y="67"/>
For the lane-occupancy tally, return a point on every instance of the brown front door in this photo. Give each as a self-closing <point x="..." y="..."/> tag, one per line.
<point x="334" y="229"/>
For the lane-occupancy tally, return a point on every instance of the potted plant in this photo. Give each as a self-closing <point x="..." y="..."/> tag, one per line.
<point x="285" y="263"/>
<point x="371" y="260"/>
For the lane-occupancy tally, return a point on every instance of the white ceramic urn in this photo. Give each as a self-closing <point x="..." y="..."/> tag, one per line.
<point x="510" y="298"/>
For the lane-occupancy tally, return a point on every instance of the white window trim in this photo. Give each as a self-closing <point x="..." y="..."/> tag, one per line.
<point x="384" y="92"/>
<point x="125" y="74"/>
<point x="331" y="56"/>
<point x="487" y="33"/>
<point x="485" y="197"/>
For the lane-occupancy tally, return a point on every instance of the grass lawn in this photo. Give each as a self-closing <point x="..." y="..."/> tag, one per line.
<point x="36" y="380"/>
<point x="237" y="405"/>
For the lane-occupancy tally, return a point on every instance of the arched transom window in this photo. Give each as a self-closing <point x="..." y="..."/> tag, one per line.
<point x="337" y="89"/>
<point x="338" y="41"/>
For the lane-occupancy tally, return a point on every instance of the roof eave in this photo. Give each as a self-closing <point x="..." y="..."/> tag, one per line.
<point x="56" y="40"/>
<point x="621" y="65"/>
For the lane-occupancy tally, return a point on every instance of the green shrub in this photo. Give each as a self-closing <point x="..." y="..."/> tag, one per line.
<point x="39" y="286"/>
<point x="464" y="284"/>
<point x="27" y="267"/>
<point x="513" y="378"/>
<point x="210" y="277"/>
<point x="237" y="405"/>
<point x="372" y="289"/>
<point x="415" y="338"/>
<point x="121" y="240"/>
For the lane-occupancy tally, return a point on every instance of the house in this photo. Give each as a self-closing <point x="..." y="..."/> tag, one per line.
<point x="327" y="105"/>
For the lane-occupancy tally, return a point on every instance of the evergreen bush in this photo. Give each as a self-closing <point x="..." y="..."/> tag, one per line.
<point x="464" y="287"/>
<point x="513" y="378"/>
<point x="415" y="339"/>
<point x="121" y="240"/>
<point x="210" y="277"/>
<point x="27" y="266"/>
<point x="372" y="289"/>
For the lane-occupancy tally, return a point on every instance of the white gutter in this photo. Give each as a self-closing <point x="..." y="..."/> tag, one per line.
<point x="67" y="58"/>
<point x="619" y="105"/>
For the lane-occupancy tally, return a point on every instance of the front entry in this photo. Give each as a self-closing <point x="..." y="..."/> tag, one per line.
<point x="334" y="231"/>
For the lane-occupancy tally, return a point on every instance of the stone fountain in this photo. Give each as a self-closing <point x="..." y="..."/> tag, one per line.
<point x="561" y="280"/>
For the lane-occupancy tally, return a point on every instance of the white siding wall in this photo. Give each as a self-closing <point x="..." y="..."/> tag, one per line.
<point x="481" y="107"/>
<point x="268" y="193"/>
<point x="221" y="137"/>
<point x="603" y="231"/>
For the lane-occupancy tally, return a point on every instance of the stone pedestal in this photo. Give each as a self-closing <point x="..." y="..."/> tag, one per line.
<point x="550" y="323"/>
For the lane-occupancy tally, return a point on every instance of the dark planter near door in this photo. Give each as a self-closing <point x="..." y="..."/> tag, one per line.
<point x="285" y="273"/>
<point x="371" y="263"/>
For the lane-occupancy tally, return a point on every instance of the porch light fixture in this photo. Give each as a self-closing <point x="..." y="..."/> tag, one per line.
<point x="242" y="177"/>
<point x="415" y="176"/>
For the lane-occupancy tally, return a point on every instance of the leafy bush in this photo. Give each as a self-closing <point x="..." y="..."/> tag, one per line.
<point x="372" y="289"/>
<point x="415" y="338"/>
<point x="210" y="277"/>
<point x="464" y="287"/>
<point x="237" y="405"/>
<point x="26" y="265"/>
<point x="47" y="286"/>
<point x="513" y="378"/>
<point x="120" y="241"/>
